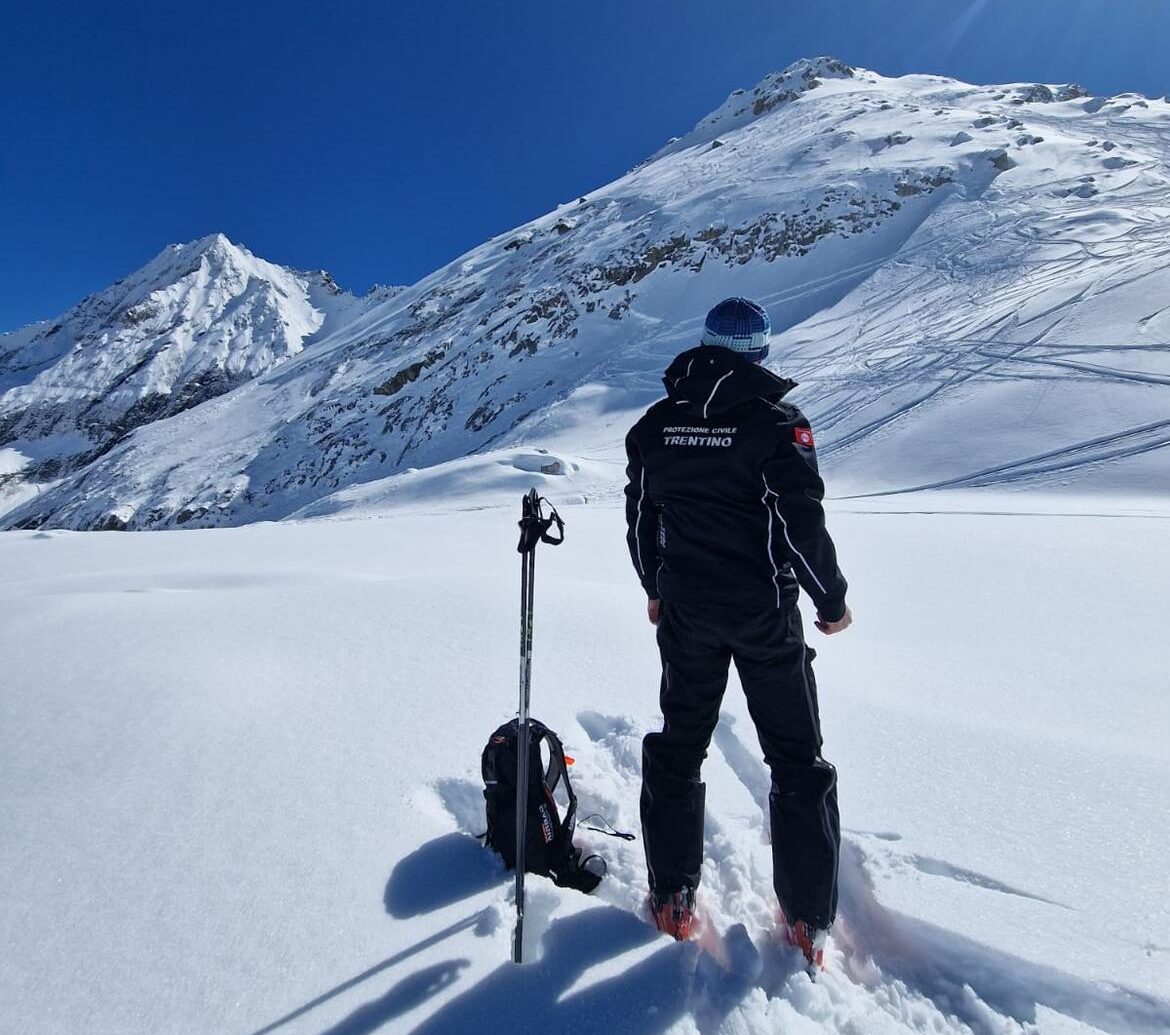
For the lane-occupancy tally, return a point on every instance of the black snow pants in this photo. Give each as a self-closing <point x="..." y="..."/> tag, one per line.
<point x="775" y="668"/>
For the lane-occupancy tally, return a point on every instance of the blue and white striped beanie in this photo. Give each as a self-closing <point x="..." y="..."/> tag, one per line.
<point x="740" y="325"/>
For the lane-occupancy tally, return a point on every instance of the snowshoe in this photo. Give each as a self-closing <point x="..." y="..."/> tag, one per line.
<point x="674" y="914"/>
<point x="810" y="941"/>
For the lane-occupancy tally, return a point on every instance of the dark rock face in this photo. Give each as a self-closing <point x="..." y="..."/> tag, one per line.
<point x="792" y="83"/>
<point x="1038" y="93"/>
<point x="409" y="373"/>
<point x="104" y="425"/>
<point x="159" y="405"/>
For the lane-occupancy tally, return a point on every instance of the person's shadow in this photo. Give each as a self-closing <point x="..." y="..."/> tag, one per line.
<point x="645" y="999"/>
<point x="642" y="1000"/>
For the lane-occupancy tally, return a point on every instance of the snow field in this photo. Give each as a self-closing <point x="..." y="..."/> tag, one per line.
<point x="239" y="775"/>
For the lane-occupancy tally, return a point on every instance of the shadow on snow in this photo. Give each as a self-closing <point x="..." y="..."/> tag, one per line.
<point x="443" y="871"/>
<point x="964" y="977"/>
<point x="643" y="999"/>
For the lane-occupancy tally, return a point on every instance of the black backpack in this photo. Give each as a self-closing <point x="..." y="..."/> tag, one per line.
<point x="549" y="849"/>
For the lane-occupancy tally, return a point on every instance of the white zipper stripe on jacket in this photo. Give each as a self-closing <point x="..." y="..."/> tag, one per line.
<point x="683" y="377"/>
<point x="638" y="525"/>
<point x="714" y="390"/>
<point x="791" y="545"/>
<point x="771" y="556"/>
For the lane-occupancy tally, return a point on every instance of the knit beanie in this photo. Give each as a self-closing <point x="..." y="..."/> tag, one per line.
<point x="740" y="325"/>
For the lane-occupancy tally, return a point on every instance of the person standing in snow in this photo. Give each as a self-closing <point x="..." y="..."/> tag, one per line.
<point x="725" y="524"/>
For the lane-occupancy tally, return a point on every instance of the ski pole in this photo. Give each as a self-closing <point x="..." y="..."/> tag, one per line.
<point x="534" y="528"/>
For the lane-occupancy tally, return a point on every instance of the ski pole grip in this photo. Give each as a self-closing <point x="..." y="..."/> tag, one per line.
<point x="534" y="526"/>
<point x="545" y="535"/>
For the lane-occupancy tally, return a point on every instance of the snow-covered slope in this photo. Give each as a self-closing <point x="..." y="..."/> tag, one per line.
<point x="239" y="779"/>
<point x="195" y="322"/>
<point x="969" y="282"/>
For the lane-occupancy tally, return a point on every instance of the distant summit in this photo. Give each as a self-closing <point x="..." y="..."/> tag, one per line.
<point x="195" y="322"/>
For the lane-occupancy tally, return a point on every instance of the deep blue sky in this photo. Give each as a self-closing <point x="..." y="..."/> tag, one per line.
<point x="381" y="140"/>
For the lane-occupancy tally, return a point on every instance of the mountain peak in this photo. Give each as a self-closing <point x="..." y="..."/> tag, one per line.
<point x="745" y="106"/>
<point x="216" y="247"/>
<point x="823" y="67"/>
<point x="214" y="252"/>
<point x="212" y="242"/>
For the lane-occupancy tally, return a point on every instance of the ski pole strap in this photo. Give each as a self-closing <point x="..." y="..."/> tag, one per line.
<point x="611" y="832"/>
<point x="534" y="526"/>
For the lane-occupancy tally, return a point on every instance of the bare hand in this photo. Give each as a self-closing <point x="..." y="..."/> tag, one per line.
<point x="652" y="610"/>
<point x="840" y="625"/>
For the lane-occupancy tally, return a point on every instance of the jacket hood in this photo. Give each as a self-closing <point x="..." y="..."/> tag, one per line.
<point x="709" y="380"/>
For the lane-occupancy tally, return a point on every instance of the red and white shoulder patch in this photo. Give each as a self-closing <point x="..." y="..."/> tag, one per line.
<point x="803" y="436"/>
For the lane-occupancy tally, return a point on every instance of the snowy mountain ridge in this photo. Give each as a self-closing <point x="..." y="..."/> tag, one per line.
<point x="965" y="280"/>
<point x="195" y="322"/>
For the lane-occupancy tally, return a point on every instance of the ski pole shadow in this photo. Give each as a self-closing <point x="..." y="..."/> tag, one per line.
<point x="644" y="999"/>
<point x="441" y="872"/>
<point x="408" y="993"/>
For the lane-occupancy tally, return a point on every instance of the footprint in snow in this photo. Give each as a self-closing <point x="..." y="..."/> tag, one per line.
<point x="464" y="802"/>
<point x="620" y="737"/>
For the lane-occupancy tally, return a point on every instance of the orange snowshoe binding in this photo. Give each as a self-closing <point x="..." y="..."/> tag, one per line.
<point x="809" y="940"/>
<point x="674" y="913"/>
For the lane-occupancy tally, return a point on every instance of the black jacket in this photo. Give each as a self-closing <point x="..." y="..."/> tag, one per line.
<point x="723" y="496"/>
